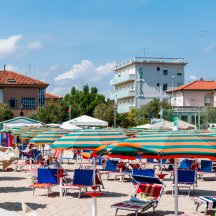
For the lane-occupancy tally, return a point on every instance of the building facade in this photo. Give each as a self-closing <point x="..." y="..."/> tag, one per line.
<point x="190" y="100"/>
<point x="200" y="93"/>
<point x="139" y="80"/>
<point x="22" y="93"/>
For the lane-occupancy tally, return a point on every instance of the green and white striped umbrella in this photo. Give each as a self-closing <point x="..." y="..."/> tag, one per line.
<point x="48" y="137"/>
<point x="87" y="139"/>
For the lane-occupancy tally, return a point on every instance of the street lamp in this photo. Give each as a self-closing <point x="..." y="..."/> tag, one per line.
<point x="115" y="111"/>
<point x="172" y="100"/>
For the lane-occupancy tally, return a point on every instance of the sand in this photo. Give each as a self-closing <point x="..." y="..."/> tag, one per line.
<point x="14" y="189"/>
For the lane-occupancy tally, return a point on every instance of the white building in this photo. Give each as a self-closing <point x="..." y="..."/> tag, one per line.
<point x="140" y="79"/>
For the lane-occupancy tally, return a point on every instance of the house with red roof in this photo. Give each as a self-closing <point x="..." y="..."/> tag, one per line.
<point x="199" y="93"/>
<point x="22" y="93"/>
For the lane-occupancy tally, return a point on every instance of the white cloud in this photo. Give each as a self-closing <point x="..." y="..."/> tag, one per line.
<point x="209" y="48"/>
<point x="54" y="67"/>
<point x="11" y="68"/>
<point x="12" y="46"/>
<point x="34" y="45"/>
<point x="9" y="45"/>
<point x="193" y="77"/>
<point x="77" y="71"/>
<point x="106" y="68"/>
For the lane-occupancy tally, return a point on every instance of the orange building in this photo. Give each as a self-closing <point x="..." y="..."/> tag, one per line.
<point x="22" y="93"/>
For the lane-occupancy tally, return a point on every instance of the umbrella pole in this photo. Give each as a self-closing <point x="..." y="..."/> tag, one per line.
<point x="94" y="199"/>
<point x="176" y="186"/>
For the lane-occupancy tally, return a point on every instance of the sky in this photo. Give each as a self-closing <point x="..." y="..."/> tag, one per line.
<point x="70" y="43"/>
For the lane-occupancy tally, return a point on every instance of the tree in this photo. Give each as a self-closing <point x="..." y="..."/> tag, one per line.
<point x="208" y="116"/>
<point x="105" y="111"/>
<point x="49" y="113"/>
<point x="81" y="102"/>
<point x="132" y="116"/>
<point x="5" y="112"/>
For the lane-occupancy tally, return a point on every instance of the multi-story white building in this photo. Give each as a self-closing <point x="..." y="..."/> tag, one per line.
<point x="140" y="79"/>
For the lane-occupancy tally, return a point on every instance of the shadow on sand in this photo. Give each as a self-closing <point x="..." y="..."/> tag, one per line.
<point x="17" y="206"/>
<point x="14" y="189"/>
<point x="10" y="178"/>
<point x="158" y="213"/>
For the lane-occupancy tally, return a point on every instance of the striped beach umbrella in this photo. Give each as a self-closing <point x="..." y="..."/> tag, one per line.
<point x="48" y="137"/>
<point x="169" y="146"/>
<point x="87" y="139"/>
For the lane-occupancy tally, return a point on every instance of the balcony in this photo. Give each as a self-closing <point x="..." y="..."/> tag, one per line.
<point x="123" y="79"/>
<point x="125" y="93"/>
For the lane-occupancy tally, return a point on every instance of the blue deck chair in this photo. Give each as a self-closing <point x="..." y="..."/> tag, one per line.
<point x="146" y="179"/>
<point x="186" y="179"/>
<point x="144" y="172"/>
<point x="150" y="160"/>
<point x="46" y="179"/>
<point x="186" y="164"/>
<point x="110" y="168"/>
<point x="206" y="166"/>
<point x="83" y="179"/>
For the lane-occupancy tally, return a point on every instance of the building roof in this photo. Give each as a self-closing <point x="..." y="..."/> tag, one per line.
<point x="52" y="96"/>
<point x="11" y="78"/>
<point x="198" y="85"/>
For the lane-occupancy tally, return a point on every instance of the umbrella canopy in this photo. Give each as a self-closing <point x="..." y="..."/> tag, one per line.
<point x="47" y="137"/>
<point x="87" y="139"/>
<point x="168" y="146"/>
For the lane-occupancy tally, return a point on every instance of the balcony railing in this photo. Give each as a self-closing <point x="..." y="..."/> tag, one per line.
<point x="122" y="79"/>
<point x="125" y="93"/>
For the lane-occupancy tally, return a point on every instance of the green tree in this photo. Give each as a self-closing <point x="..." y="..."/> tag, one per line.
<point x="208" y="116"/>
<point x="49" y="113"/>
<point x="81" y="102"/>
<point x="132" y="116"/>
<point x="5" y="112"/>
<point x="105" y="111"/>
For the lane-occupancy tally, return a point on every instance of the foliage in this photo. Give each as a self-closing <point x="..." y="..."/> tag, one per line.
<point x="49" y="113"/>
<point x="81" y="102"/>
<point x="5" y="112"/>
<point x="132" y="116"/>
<point x="122" y="120"/>
<point x="208" y="116"/>
<point x="152" y="110"/>
<point x="105" y="111"/>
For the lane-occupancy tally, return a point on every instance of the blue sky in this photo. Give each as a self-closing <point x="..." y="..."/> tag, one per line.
<point x="72" y="42"/>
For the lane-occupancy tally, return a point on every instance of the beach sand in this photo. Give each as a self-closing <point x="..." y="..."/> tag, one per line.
<point x="14" y="189"/>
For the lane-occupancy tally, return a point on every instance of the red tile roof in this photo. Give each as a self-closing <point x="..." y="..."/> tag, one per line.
<point x="14" y="78"/>
<point x="197" y="85"/>
<point x="52" y="96"/>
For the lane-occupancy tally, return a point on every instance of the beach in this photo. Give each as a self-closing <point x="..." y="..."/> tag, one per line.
<point x="14" y="189"/>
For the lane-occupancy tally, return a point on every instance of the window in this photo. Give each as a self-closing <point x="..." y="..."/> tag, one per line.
<point x="158" y="68"/>
<point x="179" y="72"/>
<point x="12" y="103"/>
<point x="28" y="103"/>
<point x="41" y="96"/>
<point x="179" y="84"/>
<point x="164" y="87"/>
<point x="158" y="84"/>
<point x="165" y="71"/>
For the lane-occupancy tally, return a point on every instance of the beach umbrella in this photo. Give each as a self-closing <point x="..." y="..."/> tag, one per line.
<point x="169" y="146"/>
<point x="48" y="137"/>
<point x="88" y="140"/>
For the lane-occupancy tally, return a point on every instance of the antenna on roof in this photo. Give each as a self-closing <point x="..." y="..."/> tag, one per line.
<point x="144" y="52"/>
<point x="4" y="67"/>
<point x="29" y="70"/>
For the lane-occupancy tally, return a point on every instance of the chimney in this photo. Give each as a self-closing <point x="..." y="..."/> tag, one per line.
<point x="4" y="67"/>
<point x="201" y="79"/>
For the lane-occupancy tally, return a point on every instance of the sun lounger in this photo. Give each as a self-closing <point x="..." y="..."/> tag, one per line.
<point x="208" y="201"/>
<point x="110" y="168"/>
<point x="147" y="195"/>
<point x="46" y="179"/>
<point x="83" y="179"/>
<point x="186" y="179"/>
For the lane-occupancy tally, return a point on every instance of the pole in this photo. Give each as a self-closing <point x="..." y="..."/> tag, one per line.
<point x="94" y="199"/>
<point x="70" y="112"/>
<point x="176" y="186"/>
<point x="115" y="112"/>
